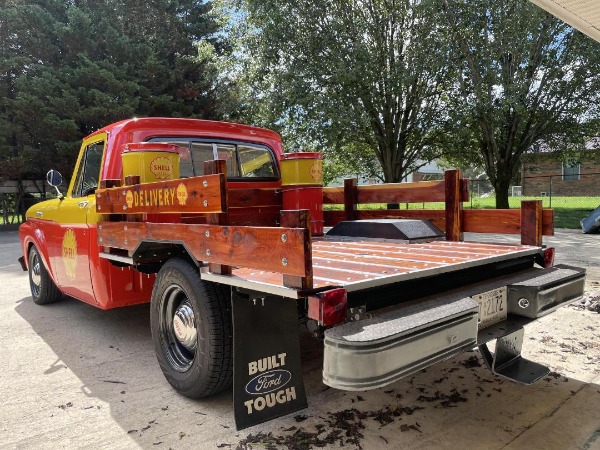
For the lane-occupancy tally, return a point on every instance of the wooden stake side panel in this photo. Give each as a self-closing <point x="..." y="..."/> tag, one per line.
<point x="503" y="221"/>
<point x="454" y="208"/>
<point x="417" y="192"/>
<point x="246" y="198"/>
<point x="281" y="250"/>
<point x="202" y="194"/>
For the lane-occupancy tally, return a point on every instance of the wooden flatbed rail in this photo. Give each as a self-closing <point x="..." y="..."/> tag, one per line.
<point x="203" y="194"/>
<point x="267" y="248"/>
<point x="531" y="221"/>
<point x="288" y="250"/>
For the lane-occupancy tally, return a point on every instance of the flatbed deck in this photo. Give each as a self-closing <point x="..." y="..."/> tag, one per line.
<point x="357" y="265"/>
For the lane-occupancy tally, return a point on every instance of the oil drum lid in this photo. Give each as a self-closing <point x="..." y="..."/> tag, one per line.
<point x="149" y="147"/>
<point x="302" y="155"/>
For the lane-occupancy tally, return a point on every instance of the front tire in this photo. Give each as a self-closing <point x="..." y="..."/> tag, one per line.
<point x="43" y="289"/>
<point x="191" y="329"/>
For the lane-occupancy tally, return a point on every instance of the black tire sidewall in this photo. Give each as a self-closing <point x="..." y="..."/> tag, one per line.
<point x="34" y="252"/>
<point x="48" y="292"/>
<point x="194" y="382"/>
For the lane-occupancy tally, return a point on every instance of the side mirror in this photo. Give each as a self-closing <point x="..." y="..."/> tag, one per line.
<point x="54" y="179"/>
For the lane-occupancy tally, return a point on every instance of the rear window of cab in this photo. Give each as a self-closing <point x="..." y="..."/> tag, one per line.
<point x="244" y="161"/>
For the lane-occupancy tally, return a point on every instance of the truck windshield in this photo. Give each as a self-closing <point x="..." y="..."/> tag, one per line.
<point x="243" y="160"/>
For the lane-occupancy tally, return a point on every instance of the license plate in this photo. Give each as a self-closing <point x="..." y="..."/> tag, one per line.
<point x="492" y="306"/>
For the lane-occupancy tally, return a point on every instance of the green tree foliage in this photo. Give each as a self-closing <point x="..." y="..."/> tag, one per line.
<point x="526" y="78"/>
<point x="351" y="76"/>
<point x="69" y="67"/>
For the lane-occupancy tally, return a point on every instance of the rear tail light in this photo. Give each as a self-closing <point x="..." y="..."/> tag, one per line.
<point x="549" y="257"/>
<point x="329" y="307"/>
<point x="546" y="259"/>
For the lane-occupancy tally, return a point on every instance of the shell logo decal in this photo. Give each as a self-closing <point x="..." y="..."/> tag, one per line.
<point x="129" y="199"/>
<point x="69" y="253"/>
<point x="316" y="171"/>
<point x="162" y="168"/>
<point x="182" y="194"/>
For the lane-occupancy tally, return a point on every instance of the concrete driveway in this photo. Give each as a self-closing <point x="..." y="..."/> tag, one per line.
<point x="76" y="377"/>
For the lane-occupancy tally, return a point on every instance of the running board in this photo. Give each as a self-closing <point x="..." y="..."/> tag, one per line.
<point x="507" y="361"/>
<point x="374" y="352"/>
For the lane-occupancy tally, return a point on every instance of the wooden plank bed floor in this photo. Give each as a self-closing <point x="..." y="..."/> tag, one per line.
<point x="357" y="265"/>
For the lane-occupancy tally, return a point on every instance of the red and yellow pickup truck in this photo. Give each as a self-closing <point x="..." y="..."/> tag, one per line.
<point x="223" y="234"/>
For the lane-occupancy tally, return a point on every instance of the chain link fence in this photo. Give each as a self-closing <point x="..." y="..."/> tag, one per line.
<point x="575" y="191"/>
<point x="573" y="197"/>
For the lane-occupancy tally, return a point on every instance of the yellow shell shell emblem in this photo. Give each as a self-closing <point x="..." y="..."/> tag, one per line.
<point x="69" y="253"/>
<point x="182" y="194"/>
<point x="316" y="171"/>
<point x="162" y="168"/>
<point x="129" y="199"/>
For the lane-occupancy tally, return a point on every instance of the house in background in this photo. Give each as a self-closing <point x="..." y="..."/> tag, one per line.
<point x="429" y="171"/>
<point x="546" y="172"/>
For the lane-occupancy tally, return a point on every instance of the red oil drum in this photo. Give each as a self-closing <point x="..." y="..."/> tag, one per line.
<point x="302" y="186"/>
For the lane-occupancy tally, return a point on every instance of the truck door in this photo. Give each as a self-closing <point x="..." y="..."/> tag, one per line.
<point x="75" y="232"/>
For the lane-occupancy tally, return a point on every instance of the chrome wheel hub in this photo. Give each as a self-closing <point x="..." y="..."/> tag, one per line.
<point x="36" y="277"/>
<point x="184" y="327"/>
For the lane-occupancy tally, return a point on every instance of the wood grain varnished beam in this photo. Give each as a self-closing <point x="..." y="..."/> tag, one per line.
<point x="242" y="198"/>
<point x="299" y="219"/>
<point x="333" y="195"/>
<point x="531" y="222"/>
<point x="453" y="205"/>
<point x="218" y="167"/>
<point x="259" y="248"/>
<point x="204" y="194"/>
<point x="417" y="192"/>
<point x="350" y="198"/>
<point x="502" y="221"/>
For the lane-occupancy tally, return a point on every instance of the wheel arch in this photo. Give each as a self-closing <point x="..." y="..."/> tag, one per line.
<point x="159" y="252"/>
<point x="35" y="236"/>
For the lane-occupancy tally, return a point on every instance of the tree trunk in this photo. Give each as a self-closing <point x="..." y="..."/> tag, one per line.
<point x="501" y="189"/>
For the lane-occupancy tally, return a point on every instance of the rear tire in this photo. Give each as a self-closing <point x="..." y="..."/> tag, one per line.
<point x="43" y="289"/>
<point x="191" y="329"/>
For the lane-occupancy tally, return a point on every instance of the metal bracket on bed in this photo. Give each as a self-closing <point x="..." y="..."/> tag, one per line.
<point x="507" y="361"/>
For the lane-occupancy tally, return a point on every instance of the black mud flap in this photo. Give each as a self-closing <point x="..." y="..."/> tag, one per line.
<point x="267" y="372"/>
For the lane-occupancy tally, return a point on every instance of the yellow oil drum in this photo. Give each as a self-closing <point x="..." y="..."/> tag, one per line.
<point x="302" y="168"/>
<point x="150" y="161"/>
<point x="302" y="186"/>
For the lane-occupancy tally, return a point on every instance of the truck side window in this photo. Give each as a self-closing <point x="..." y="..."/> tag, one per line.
<point x="185" y="160"/>
<point x="227" y="152"/>
<point x="255" y="162"/>
<point x="89" y="170"/>
<point x="201" y="152"/>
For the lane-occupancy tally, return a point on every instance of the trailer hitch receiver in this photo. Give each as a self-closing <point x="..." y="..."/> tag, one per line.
<point x="507" y="361"/>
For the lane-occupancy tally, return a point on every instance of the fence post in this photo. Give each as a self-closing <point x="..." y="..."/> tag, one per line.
<point x="453" y="206"/>
<point x="531" y="222"/>
<point x="350" y="198"/>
